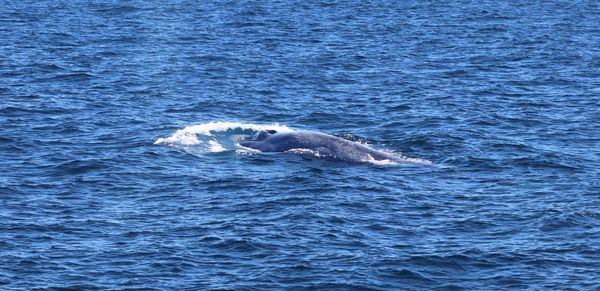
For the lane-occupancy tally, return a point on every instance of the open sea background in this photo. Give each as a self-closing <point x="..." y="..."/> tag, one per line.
<point x="502" y="98"/>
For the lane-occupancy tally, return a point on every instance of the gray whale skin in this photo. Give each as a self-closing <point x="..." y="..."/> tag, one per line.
<point x="322" y="145"/>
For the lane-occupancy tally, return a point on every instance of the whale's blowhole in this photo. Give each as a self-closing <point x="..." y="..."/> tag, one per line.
<point x="263" y="134"/>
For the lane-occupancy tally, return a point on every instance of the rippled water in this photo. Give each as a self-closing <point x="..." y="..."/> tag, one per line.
<point x="502" y="98"/>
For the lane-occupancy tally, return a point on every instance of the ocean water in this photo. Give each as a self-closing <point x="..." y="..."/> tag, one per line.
<point x="120" y="168"/>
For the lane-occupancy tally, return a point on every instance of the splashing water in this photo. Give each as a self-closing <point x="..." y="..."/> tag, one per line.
<point x="213" y="137"/>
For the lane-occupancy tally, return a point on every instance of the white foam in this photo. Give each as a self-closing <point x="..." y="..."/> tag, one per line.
<point x="216" y="147"/>
<point x="373" y="161"/>
<point x="417" y="161"/>
<point x="189" y="134"/>
<point x="401" y="159"/>
<point x="244" y="150"/>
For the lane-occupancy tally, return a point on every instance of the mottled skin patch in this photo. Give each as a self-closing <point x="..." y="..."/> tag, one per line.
<point x="323" y="145"/>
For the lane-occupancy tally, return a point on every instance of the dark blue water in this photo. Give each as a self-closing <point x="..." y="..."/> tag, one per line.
<point x="119" y="167"/>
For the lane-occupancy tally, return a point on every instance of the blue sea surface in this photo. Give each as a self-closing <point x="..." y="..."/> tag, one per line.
<point x="120" y="166"/>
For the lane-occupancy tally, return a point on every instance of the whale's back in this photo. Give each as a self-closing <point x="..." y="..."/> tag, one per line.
<point x="322" y="145"/>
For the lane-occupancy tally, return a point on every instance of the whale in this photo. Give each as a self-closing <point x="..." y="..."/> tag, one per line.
<point x="319" y="144"/>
